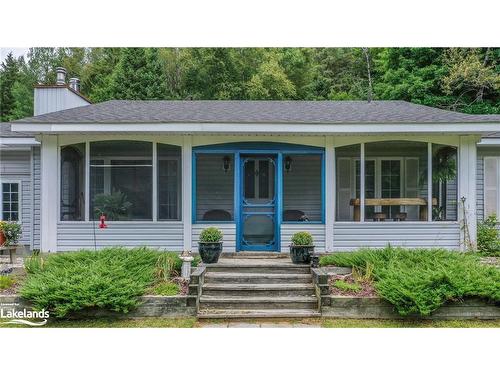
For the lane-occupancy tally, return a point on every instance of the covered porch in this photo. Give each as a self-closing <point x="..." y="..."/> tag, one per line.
<point x="347" y="191"/>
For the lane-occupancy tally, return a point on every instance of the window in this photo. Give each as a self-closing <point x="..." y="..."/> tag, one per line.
<point x="215" y="187"/>
<point x="395" y="182"/>
<point x="444" y="183"/>
<point x="121" y="176"/>
<point x="302" y="190"/>
<point x="11" y="201"/>
<point x="169" y="182"/>
<point x="491" y="186"/>
<point x="73" y="182"/>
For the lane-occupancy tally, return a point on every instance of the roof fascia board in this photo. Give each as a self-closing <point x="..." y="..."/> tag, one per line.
<point x="489" y="142"/>
<point x="19" y="141"/>
<point x="234" y="128"/>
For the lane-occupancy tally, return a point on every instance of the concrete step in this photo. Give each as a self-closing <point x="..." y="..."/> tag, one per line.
<point x="255" y="255"/>
<point x="258" y="303"/>
<point x="254" y="314"/>
<point x="258" y="290"/>
<point x="262" y="267"/>
<point x="256" y="278"/>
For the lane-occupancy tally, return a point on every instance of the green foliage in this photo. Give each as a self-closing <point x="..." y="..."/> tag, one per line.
<point x="420" y="280"/>
<point x="488" y="237"/>
<point x="166" y="288"/>
<point x="115" y="205"/>
<point x="12" y="231"/>
<point x="302" y="239"/>
<point x="168" y="265"/>
<point x="462" y="79"/>
<point x="6" y="282"/>
<point x="346" y="287"/>
<point x="211" y="234"/>
<point x="110" y="279"/>
<point x="34" y="263"/>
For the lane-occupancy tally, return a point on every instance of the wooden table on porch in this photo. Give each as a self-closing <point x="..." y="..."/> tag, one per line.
<point x="420" y="202"/>
<point x="11" y="250"/>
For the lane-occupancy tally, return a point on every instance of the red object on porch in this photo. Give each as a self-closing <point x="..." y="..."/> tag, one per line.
<point x="102" y="224"/>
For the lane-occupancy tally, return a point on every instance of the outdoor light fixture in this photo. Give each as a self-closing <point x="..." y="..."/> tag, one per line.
<point x="288" y="164"/>
<point x="226" y="163"/>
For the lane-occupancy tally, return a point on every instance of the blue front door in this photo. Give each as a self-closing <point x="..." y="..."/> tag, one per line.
<point x="258" y="229"/>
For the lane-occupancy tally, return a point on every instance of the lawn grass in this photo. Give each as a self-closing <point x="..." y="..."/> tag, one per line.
<point x="382" y="323"/>
<point x="323" y="322"/>
<point x="113" y="323"/>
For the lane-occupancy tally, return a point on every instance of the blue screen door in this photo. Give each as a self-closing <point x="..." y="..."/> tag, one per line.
<point x="258" y="228"/>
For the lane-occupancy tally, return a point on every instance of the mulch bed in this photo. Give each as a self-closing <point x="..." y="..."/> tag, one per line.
<point x="367" y="289"/>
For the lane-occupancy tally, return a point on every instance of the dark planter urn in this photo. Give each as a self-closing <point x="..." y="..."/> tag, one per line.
<point x="210" y="251"/>
<point x="301" y="254"/>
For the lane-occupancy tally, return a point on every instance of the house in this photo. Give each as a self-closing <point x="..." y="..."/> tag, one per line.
<point x="352" y="173"/>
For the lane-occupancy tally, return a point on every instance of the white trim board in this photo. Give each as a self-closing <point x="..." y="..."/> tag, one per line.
<point x="263" y="128"/>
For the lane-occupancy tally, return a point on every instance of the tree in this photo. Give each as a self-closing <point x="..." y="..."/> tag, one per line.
<point x="471" y="77"/>
<point x="138" y="75"/>
<point x="271" y="82"/>
<point x="9" y="73"/>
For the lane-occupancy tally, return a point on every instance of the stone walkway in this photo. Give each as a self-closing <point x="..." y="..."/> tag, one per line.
<point x="257" y="325"/>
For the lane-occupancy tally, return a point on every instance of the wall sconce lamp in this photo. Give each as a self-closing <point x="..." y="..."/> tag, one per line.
<point x="226" y="163"/>
<point x="288" y="164"/>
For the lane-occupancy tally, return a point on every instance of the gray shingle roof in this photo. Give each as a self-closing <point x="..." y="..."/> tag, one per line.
<point x="5" y="132"/>
<point x="230" y="111"/>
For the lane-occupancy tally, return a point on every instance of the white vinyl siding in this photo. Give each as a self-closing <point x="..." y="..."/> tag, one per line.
<point x="355" y="235"/>
<point x="15" y="167"/>
<point x="167" y="235"/>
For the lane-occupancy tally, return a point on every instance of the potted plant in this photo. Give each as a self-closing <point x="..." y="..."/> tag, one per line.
<point x="301" y="248"/>
<point x="114" y="206"/>
<point x="10" y="232"/>
<point x="210" y="244"/>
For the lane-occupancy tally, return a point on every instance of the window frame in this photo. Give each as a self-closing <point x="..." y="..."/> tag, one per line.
<point x="497" y="161"/>
<point x="154" y="181"/>
<point x="362" y="144"/>
<point x="19" y="200"/>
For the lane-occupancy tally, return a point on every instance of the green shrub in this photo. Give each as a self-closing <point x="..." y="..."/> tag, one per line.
<point x="302" y="239"/>
<point x="12" y="231"/>
<point x="166" y="288"/>
<point x="346" y="287"/>
<point x="488" y="240"/>
<point x="420" y="280"/>
<point x="6" y="282"/>
<point x="211" y="234"/>
<point x="110" y="279"/>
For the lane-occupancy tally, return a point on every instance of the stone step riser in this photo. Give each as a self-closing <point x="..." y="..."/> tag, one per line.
<point x="247" y="305"/>
<point x="267" y="269"/>
<point x="249" y="314"/>
<point x="248" y="279"/>
<point x="258" y="293"/>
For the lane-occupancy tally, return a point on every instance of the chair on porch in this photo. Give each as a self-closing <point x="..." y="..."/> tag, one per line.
<point x="217" y="215"/>
<point x="294" y="215"/>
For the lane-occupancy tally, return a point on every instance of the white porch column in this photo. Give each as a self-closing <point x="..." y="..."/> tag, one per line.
<point x="467" y="160"/>
<point x="329" y="192"/>
<point x="49" y="193"/>
<point x="187" y="168"/>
